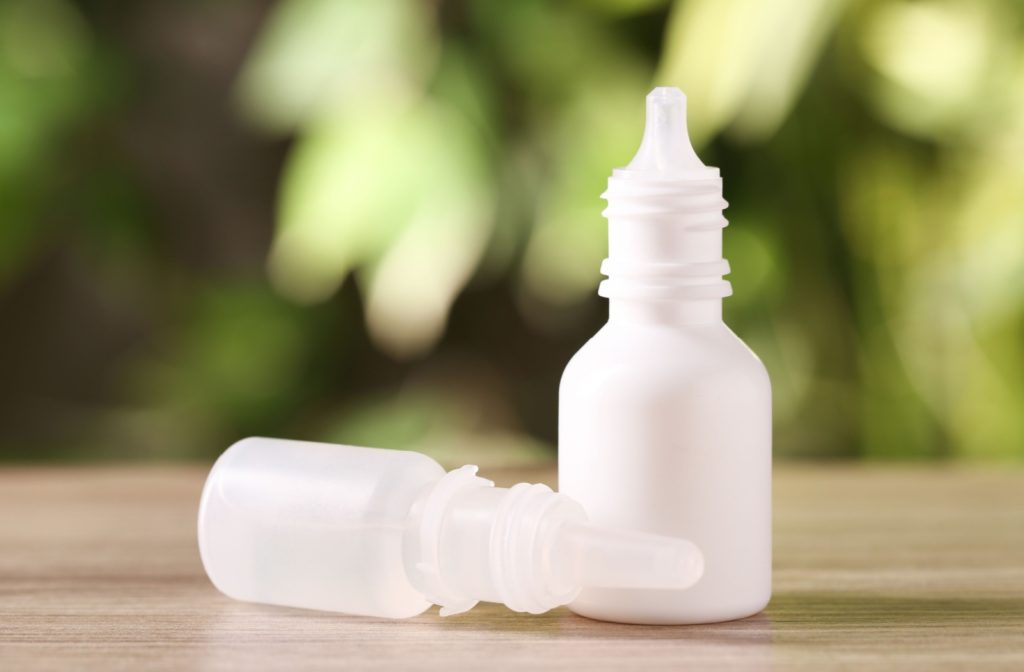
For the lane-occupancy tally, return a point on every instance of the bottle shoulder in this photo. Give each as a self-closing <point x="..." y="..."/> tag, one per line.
<point x="678" y="353"/>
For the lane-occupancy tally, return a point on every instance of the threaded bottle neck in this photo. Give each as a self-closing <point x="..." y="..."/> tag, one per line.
<point x="467" y="541"/>
<point x="675" y="313"/>
<point x="665" y="247"/>
<point x="527" y="547"/>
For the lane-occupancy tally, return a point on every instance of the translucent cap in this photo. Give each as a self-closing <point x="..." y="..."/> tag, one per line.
<point x="665" y="151"/>
<point x="530" y="548"/>
<point x="603" y="557"/>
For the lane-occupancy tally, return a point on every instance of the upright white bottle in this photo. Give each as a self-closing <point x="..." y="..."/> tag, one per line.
<point x="665" y="414"/>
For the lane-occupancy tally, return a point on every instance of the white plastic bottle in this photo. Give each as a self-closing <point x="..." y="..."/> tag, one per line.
<point x="665" y="415"/>
<point x="388" y="533"/>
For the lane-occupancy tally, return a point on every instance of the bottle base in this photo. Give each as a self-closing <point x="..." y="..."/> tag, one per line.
<point x="639" y="615"/>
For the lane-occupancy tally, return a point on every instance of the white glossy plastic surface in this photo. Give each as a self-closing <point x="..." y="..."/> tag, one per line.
<point x="388" y="533"/>
<point x="665" y="415"/>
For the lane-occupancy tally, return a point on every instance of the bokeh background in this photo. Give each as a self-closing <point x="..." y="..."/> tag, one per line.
<point x="378" y="221"/>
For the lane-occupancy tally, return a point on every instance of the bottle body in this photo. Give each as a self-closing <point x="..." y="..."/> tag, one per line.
<point x="313" y="525"/>
<point x="388" y="533"/>
<point x="665" y="427"/>
<point x="665" y="401"/>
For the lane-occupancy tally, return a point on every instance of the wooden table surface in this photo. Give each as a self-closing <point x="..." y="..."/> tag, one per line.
<point x="875" y="568"/>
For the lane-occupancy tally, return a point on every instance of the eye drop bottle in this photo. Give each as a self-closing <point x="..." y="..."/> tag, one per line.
<point x="665" y="415"/>
<point x="388" y="533"/>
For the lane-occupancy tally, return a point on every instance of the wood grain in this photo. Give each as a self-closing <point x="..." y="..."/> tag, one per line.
<point x="875" y="568"/>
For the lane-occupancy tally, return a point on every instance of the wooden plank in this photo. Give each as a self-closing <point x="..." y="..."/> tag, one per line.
<point x="876" y="568"/>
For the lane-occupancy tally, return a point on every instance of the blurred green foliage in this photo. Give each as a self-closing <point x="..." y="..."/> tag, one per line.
<point x="378" y="221"/>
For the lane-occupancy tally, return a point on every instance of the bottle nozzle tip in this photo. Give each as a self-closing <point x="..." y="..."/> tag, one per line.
<point x="614" y="558"/>
<point x="682" y="563"/>
<point x="661" y="93"/>
<point x="665" y="150"/>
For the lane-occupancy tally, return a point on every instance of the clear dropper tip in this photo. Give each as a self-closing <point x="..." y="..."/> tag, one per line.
<point x="614" y="558"/>
<point x="665" y="150"/>
<point x="666" y="93"/>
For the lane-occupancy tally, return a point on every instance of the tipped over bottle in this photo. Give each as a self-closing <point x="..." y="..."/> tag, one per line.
<point x="388" y="533"/>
